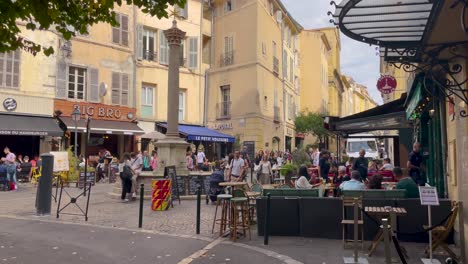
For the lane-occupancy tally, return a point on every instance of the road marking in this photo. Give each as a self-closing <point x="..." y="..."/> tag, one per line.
<point x="201" y="252"/>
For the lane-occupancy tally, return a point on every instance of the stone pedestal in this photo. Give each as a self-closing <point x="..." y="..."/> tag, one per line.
<point x="171" y="152"/>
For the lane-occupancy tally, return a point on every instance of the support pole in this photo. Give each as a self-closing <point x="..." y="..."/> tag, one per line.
<point x="386" y="235"/>
<point x="266" y="232"/>
<point x="429" y="215"/>
<point x="142" y="195"/>
<point x="462" y="232"/>
<point x="198" y="209"/>
<point x="356" y="229"/>
<point x="44" y="189"/>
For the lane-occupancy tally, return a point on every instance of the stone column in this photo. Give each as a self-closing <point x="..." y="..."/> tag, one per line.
<point x="174" y="37"/>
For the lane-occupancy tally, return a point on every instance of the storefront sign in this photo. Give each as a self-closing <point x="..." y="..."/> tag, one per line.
<point x="289" y="132"/>
<point x="23" y="133"/>
<point x="10" y="104"/>
<point x="223" y="126"/>
<point x="60" y="161"/>
<point x="209" y="138"/>
<point x="428" y="196"/>
<point x="96" y="111"/>
<point x="386" y="84"/>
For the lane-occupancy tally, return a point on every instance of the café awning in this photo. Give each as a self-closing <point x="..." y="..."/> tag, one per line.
<point x="199" y="133"/>
<point x="389" y="116"/>
<point x="104" y="126"/>
<point x="20" y="125"/>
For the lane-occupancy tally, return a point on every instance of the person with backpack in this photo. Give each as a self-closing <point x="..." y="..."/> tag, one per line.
<point x="126" y="174"/>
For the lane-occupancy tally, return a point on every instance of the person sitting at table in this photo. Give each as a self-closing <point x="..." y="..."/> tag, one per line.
<point x="303" y="172"/>
<point x="406" y="183"/>
<point x="341" y="177"/>
<point x="387" y="166"/>
<point x="353" y="184"/>
<point x="303" y="183"/>
<point x="372" y="167"/>
<point x="375" y="183"/>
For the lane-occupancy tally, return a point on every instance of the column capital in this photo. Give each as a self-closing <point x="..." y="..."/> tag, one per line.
<point x="174" y="35"/>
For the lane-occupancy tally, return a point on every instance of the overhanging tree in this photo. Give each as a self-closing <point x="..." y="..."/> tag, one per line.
<point x="67" y="17"/>
<point x="311" y="123"/>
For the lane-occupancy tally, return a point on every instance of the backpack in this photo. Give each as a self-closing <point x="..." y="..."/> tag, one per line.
<point x="126" y="172"/>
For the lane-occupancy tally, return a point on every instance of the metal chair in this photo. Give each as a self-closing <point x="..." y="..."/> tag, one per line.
<point x="256" y="188"/>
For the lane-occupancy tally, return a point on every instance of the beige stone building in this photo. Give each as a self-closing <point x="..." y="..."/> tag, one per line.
<point x="254" y="79"/>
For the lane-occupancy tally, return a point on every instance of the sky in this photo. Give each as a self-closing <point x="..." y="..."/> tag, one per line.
<point x="358" y="60"/>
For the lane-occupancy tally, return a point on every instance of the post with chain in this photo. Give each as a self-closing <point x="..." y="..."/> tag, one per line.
<point x="198" y="209"/>
<point x="386" y="235"/>
<point x="267" y="220"/>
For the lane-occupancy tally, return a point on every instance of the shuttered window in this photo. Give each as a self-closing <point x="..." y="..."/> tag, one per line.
<point x="120" y="32"/>
<point x="76" y="83"/>
<point x="163" y="49"/>
<point x="93" y="85"/>
<point x="193" y="52"/>
<point x="120" y="84"/>
<point x="182" y="11"/>
<point x="10" y="69"/>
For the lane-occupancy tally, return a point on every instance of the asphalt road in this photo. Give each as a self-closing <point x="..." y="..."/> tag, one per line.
<point x="32" y="242"/>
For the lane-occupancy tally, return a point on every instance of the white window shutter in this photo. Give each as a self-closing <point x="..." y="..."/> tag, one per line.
<point x="124" y="29"/>
<point x="93" y="85"/>
<point x="163" y="49"/>
<point x="115" y="88"/>
<point x="124" y="89"/>
<point x="116" y="31"/>
<point x="2" y="68"/>
<point x="61" y="80"/>
<point x="140" y="41"/>
<point x="193" y="52"/>
<point x="185" y="10"/>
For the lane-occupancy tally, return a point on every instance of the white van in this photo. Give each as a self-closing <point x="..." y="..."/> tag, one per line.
<point x="355" y="144"/>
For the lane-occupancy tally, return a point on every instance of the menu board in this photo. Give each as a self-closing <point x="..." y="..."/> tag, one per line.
<point x="60" y="161"/>
<point x="170" y="173"/>
<point x="428" y="196"/>
<point x="90" y="178"/>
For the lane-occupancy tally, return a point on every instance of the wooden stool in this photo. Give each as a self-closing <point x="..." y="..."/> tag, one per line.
<point x="239" y="205"/>
<point x="223" y="221"/>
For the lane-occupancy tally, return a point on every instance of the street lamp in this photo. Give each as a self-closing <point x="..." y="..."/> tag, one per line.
<point x="76" y="115"/>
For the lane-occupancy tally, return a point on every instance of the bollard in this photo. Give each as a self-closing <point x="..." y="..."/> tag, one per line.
<point x="198" y="209"/>
<point x="356" y="229"/>
<point x="266" y="232"/>
<point x="386" y="235"/>
<point x="44" y="189"/>
<point x="142" y="195"/>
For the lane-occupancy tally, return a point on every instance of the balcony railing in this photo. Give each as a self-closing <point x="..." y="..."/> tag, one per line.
<point x="276" y="114"/>
<point x="275" y="65"/>
<point x="227" y="59"/>
<point x="223" y="110"/>
<point x="150" y="55"/>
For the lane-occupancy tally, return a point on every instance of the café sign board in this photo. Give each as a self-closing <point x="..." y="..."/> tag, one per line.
<point x="428" y="196"/>
<point x="95" y="110"/>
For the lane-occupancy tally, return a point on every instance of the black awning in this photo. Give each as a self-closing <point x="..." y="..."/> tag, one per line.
<point x="389" y="116"/>
<point x="104" y="126"/>
<point x="20" y="125"/>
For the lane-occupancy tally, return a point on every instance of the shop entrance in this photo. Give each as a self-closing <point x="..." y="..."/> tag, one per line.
<point x="20" y="145"/>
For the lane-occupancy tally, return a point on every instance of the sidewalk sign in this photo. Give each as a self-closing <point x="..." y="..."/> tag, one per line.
<point x="60" y="161"/>
<point x="170" y="173"/>
<point x="429" y="197"/>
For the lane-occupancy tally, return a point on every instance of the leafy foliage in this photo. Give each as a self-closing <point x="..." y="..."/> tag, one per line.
<point x="300" y="157"/>
<point x="311" y="123"/>
<point x="287" y="169"/>
<point x="67" y="17"/>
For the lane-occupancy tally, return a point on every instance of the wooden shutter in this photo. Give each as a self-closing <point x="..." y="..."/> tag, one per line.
<point x="16" y="57"/>
<point x="124" y="29"/>
<point x="116" y="30"/>
<point x="61" y="80"/>
<point x="186" y="10"/>
<point x="124" y="89"/>
<point x="115" y="88"/>
<point x="2" y="68"/>
<point x="163" y="49"/>
<point x="93" y="85"/>
<point x="140" y="42"/>
<point x="193" y="52"/>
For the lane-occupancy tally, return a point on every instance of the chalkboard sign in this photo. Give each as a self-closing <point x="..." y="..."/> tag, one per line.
<point x="90" y="178"/>
<point x="170" y="173"/>
<point x="250" y="145"/>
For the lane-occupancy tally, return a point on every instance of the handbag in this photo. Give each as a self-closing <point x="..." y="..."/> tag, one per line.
<point x="126" y="173"/>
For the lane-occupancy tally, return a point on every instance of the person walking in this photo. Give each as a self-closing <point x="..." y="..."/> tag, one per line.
<point x="237" y="168"/>
<point x="200" y="159"/>
<point x="10" y="161"/>
<point x="126" y="174"/>
<point x="137" y="166"/>
<point x="264" y="171"/>
<point x="154" y="160"/>
<point x="189" y="160"/>
<point x="415" y="165"/>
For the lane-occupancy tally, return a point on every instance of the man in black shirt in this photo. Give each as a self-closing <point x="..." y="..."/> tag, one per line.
<point x="324" y="165"/>
<point x="361" y="164"/>
<point x="415" y="165"/>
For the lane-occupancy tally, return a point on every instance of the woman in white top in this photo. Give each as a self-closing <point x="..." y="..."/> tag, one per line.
<point x="303" y="183"/>
<point x="264" y="171"/>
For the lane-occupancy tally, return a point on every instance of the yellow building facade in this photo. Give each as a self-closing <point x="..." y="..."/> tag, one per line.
<point x="253" y="83"/>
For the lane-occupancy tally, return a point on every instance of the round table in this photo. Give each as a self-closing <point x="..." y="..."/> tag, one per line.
<point x="232" y="184"/>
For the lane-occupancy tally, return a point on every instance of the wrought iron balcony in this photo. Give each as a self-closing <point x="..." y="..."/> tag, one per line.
<point x="150" y="55"/>
<point x="227" y="59"/>
<point x="275" y="65"/>
<point x="223" y="110"/>
<point x="276" y="114"/>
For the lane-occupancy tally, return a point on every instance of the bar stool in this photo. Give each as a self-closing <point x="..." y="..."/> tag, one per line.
<point x="239" y="205"/>
<point x="222" y="200"/>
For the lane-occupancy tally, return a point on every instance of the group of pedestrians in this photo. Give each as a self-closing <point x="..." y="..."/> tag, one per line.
<point x="14" y="168"/>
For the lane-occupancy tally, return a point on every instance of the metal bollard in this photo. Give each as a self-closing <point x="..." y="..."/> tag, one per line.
<point x="198" y="208"/>
<point x="386" y="234"/>
<point x="44" y="189"/>
<point x="266" y="232"/>
<point x="356" y="229"/>
<point x="142" y="195"/>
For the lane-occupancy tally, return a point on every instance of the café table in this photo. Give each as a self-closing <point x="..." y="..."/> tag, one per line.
<point x="381" y="212"/>
<point x="234" y="185"/>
